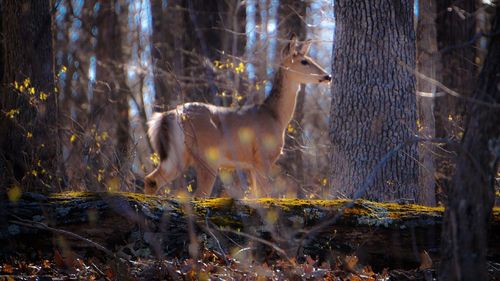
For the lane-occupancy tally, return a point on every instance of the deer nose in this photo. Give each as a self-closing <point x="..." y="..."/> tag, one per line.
<point x="328" y="77"/>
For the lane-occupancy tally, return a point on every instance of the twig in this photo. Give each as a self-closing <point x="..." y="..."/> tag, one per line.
<point x="260" y="240"/>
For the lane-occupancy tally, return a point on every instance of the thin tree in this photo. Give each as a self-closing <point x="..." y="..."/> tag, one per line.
<point x="373" y="98"/>
<point x="29" y="146"/>
<point x="455" y="26"/>
<point x="109" y="104"/>
<point x="429" y="65"/>
<point x="471" y="196"/>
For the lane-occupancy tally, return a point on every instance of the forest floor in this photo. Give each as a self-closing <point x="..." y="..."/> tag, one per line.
<point x="127" y="236"/>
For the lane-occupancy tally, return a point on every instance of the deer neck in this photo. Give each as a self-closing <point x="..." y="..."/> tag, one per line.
<point x="283" y="97"/>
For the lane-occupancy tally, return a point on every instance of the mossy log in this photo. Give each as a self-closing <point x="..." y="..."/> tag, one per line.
<point x="134" y="225"/>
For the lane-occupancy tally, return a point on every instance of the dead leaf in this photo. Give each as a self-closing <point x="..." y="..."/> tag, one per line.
<point x="425" y="261"/>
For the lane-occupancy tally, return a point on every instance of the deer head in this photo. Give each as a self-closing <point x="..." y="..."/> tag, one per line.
<point x="301" y="68"/>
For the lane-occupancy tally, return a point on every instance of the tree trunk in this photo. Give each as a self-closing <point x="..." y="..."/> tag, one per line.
<point x="168" y="29"/>
<point x="428" y="64"/>
<point x="381" y="235"/>
<point x="292" y="16"/>
<point x="29" y="146"/>
<point x="471" y="196"/>
<point x="110" y="107"/>
<point x="373" y="99"/>
<point x="455" y="25"/>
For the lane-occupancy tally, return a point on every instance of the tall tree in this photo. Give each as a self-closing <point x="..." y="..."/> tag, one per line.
<point x="373" y="98"/>
<point x="429" y="65"/>
<point x="471" y="196"/>
<point x="292" y="19"/>
<point x="167" y="53"/>
<point x="455" y="26"/>
<point x="109" y="104"/>
<point x="29" y="147"/>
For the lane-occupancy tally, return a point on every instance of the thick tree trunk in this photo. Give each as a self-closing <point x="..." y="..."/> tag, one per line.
<point x="471" y="196"/>
<point x="373" y="99"/>
<point x="381" y="235"/>
<point x="110" y="107"/>
<point x="428" y="64"/>
<point x="292" y="16"/>
<point x="29" y="146"/>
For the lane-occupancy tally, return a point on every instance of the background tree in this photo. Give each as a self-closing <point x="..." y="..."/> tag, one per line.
<point x="429" y="65"/>
<point x="456" y="27"/>
<point x="110" y="98"/>
<point x="29" y="144"/>
<point x="373" y="98"/>
<point x="471" y="196"/>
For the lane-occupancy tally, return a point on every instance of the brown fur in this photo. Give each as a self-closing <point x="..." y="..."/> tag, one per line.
<point x="250" y="138"/>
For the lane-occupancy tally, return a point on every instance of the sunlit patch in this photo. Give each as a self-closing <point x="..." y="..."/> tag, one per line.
<point x="226" y="176"/>
<point x="113" y="184"/>
<point x="14" y="193"/>
<point x="272" y="217"/>
<point x="269" y="142"/>
<point x="246" y="135"/>
<point x="212" y="154"/>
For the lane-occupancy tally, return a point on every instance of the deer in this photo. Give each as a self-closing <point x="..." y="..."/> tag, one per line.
<point x="251" y="138"/>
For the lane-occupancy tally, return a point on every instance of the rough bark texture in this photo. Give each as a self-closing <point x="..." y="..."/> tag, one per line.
<point x="373" y="98"/>
<point x="386" y="235"/>
<point x="471" y="196"/>
<point x="109" y="103"/>
<point x="29" y="149"/>
<point x="292" y="20"/>
<point x="428" y="64"/>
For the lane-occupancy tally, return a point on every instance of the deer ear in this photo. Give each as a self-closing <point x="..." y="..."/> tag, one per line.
<point x="305" y="47"/>
<point x="291" y="47"/>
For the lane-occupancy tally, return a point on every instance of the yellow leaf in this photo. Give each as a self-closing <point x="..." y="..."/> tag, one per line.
<point x="155" y="159"/>
<point x="14" y="193"/>
<point x="34" y="173"/>
<point x="12" y="113"/>
<point x="29" y="135"/>
<point x="190" y="188"/>
<point x="290" y="128"/>
<point x="63" y="69"/>
<point x="72" y="139"/>
<point x="16" y="85"/>
<point x="104" y="136"/>
<point x="43" y="96"/>
<point x="26" y="82"/>
<point x="31" y="91"/>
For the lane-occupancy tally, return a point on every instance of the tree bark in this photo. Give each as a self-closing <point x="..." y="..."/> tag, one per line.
<point x="29" y="146"/>
<point x="381" y="235"/>
<point x="471" y="196"/>
<point x="428" y="64"/>
<point x="373" y="99"/>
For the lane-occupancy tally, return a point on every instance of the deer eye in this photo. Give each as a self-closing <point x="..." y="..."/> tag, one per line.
<point x="304" y="62"/>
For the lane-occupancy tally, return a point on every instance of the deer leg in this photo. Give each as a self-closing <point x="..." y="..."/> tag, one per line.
<point x="261" y="186"/>
<point x="205" y="179"/>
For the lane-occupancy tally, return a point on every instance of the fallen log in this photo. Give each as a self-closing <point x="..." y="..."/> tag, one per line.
<point x="130" y="225"/>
